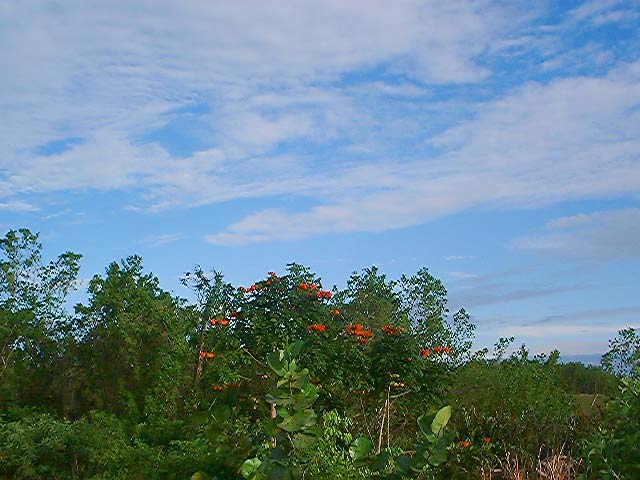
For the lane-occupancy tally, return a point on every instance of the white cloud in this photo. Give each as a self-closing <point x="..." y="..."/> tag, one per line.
<point x="17" y="206"/>
<point x="272" y="74"/>
<point x="163" y="239"/>
<point x="570" y="139"/>
<point x="451" y="258"/>
<point x="462" y="275"/>
<point x="593" y="7"/>
<point x="549" y="330"/>
<point x="599" y="236"/>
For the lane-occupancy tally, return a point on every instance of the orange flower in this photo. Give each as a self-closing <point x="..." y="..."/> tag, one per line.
<point x="439" y="349"/>
<point x="354" y="329"/>
<point x="425" y="353"/>
<point x="366" y="334"/>
<point x="391" y="330"/>
<point x="219" y="388"/>
<point x="447" y="349"/>
<point x="335" y="311"/>
<point x="317" y="327"/>
<point x="207" y="355"/>
<point x="303" y="286"/>
<point x="242" y="289"/>
<point x="219" y="321"/>
<point x="363" y="340"/>
<point x="464" y="444"/>
<point x="234" y="314"/>
<point x="203" y="354"/>
<point x="487" y="440"/>
<point x="271" y="274"/>
<point x="324" y="294"/>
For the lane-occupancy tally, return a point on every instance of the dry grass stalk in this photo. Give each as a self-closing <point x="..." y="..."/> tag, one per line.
<point x="512" y="469"/>
<point x="558" y="467"/>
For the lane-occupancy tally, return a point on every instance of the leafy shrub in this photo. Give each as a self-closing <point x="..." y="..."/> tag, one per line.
<point x="517" y="403"/>
<point x="612" y="452"/>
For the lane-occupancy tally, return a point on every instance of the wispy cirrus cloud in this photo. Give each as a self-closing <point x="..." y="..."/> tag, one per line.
<point x="550" y="330"/>
<point x="338" y="104"/>
<point x="597" y="236"/>
<point x="572" y="138"/>
<point x="163" y="239"/>
<point x="17" y="206"/>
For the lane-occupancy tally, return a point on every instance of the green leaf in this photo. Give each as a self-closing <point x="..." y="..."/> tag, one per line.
<point x="438" y="457"/>
<point x="250" y="467"/>
<point x="278" y="400"/>
<point x="424" y="423"/>
<point x="278" y="472"/>
<point x="402" y="464"/>
<point x="295" y="349"/>
<point x="277" y="363"/>
<point x="381" y="462"/>
<point x="440" y="420"/>
<point x="360" y="448"/>
<point x="200" y="476"/>
<point x="298" y="421"/>
<point x="303" y="440"/>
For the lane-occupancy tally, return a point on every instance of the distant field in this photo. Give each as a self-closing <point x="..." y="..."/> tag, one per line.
<point x="589" y="403"/>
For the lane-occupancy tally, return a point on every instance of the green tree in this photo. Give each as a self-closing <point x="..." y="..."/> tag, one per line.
<point x="623" y="357"/>
<point x="136" y="351"/>
<point x="34" y="325"/>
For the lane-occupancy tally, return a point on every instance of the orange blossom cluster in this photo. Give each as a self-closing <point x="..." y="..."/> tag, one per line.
<point x="207" y="355"/>
<point x="219" y="321"/>
<point x="425" y="352"/>
<point x="317" y="327"/>
<point x="391" y="330"/>
<point x="359" y="331"/>
<point x="226" y="386"/>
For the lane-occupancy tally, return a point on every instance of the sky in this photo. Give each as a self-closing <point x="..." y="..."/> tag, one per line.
<point x="495" y="142"/>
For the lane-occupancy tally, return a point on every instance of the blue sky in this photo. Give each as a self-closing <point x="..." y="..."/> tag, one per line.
<point x="495" y="142"/>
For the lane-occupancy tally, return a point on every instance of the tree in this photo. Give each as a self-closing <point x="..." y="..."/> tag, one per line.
<point x="372" y="300"/>
<point x="623" y="357"/>
<point x="136" y="352"/>
<point x="424" y="301"/>
<point x="33" y="321"/>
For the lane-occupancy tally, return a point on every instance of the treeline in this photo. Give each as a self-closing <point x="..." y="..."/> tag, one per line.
<point x="138" y="383"/>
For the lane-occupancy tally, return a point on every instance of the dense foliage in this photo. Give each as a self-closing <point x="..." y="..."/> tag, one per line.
<point x="287" y="378"/>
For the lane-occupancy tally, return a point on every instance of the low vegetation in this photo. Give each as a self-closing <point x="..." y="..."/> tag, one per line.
<point x="287" y="379"/>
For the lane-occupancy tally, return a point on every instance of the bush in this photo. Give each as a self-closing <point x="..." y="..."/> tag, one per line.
<point x="517" y="403"/>
<point x="612" y="452"/>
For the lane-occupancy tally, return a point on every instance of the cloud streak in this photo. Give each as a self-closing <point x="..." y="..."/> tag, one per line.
<point x="338" y="105"/>
<point x="598" y="236"/>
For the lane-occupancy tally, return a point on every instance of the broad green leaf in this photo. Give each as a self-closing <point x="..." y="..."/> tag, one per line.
<point x="380" y="462"/>
<point x="250" y="467"/>
<point x="298" y="421"/>
<point x="424" y="423"/>
<point x="278" y="400"/>
<point x="402" y="464"/>
<point x="302" y="440"/>
<point x="277" y="363"/>
<point x="438" y="457"/>
<point x="440" y="420"/>
<point x="200" y="476"/>
<point x="295" y="349"/>
<point x="360" y="448"/>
